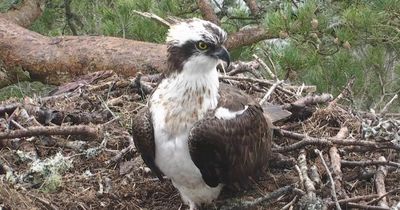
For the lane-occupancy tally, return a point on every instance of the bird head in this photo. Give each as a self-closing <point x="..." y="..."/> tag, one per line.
<point x="196" y="45"/>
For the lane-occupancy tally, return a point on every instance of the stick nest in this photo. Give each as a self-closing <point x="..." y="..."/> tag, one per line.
<point x="79" y="135"/>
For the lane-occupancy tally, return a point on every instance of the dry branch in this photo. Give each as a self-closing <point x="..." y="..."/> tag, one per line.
<point x="252" y="5"/>
<point x="380" y="175"/>
<point x="154" y="17"/>
<point x="8" y="108"/>
<point x="333" y="188"/>
<point x="26" y="14"/>
<point x="270" y="91"/>
<point x="310" y="101"/>
<point x="266" y="67"/>
<point x="248" y="36"/>
<point x="355" y="199"/>
<point x="314" y="175"/>
<point x="384" y="195"/>
<point x="241" y="204"/>
<point x="259" y="81"/>
<point x="85" y="130"/>
<point x="348" y="163"/>
<point x="242" y="67"/>
<point x="336" y="164"/>
<point x="207" y="11"/>
<point x="120" y="155"/>
<point x="363" y="206"/>
<point x="57" y="59"/>
<point x="385" y="108"/>
<point x="307" y="141"/>
<point x="308" y="183"/>
<point x="346" y="92"/>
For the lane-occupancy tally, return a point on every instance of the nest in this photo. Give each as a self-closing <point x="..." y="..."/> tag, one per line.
<point x="72" y="150"/>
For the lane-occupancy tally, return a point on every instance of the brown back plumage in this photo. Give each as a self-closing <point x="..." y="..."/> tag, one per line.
<point x="231" y="151"/>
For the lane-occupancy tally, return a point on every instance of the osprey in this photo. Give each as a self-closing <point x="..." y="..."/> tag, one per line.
<point x="199" y="133"/>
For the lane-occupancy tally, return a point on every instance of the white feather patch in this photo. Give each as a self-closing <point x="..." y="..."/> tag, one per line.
<point x="226" y="114"/>
<point x="194" y="30"/>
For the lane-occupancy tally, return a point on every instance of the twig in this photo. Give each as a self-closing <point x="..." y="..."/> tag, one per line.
<point x="307" y="140"/>
<point x="310" y="101"/>
<point x="259" y="81"/>
<point x="301" y="178"/>
<point x="354" y="199"/>
<point x="18" y="125"/>
<point x="120" y="154"/>
<point x="43" y="201"/>
<point x="345" y="92"/>
<point x="272" y="64"/>
<point x="348" y="163"/>
<point x="290" y="204"/>
<point x="270" y="91"/>
<point x="267" y="198"/>
<point x="9" y="172"/>
<point x="380" y="182"/>
<point x="314" y="175"/>
<point x="363" y="206"/>
<point x="335" y="163"/>
<point x="89" y="131"/>
<point x="308" y="184"/>
<point x="333" y="188"/>
<point x="266" y="67"/>
<point x="382" y="196"/>
<point x="385" y="108"/>
<point x="8" y="108"/>
<point x="107" y="108"/>
<point x="241" y="67"/>
<point x="304" y="88"/>
<point x="154" y="17"/>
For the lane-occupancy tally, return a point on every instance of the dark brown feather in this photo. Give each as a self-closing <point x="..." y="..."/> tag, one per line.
<point x="231" y="151"/>
<point x="143" y="137"/>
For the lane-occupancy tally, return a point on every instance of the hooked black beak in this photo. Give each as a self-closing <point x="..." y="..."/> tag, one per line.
<point x="223" y="54"/>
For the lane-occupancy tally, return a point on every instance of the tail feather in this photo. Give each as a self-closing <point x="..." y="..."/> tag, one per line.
<point x="275" y="112"/>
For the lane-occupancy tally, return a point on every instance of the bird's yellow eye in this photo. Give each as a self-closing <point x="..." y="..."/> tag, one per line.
<point x="202" y="45"/>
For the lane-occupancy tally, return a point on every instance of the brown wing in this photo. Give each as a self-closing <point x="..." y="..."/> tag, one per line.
<point x="231" y="151"/>
<point x="143" y="137"/>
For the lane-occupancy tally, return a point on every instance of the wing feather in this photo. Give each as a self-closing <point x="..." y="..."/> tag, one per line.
<point x="231" y="151"/>
<point x="143" y="137"/>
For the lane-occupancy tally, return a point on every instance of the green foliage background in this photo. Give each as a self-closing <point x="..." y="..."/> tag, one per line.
<point x="323" y="42"/>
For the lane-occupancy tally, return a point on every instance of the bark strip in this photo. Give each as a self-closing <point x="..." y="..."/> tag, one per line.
<point x="52" y="130"/>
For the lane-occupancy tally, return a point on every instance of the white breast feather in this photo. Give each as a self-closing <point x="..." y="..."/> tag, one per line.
<point x="172" y="153"/>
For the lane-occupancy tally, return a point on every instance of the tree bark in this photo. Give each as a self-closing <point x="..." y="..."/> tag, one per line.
<point x="248" y="36"/>
<point x="26" y="14"/>
<point x="253" y="7"/>
<point x="55" y="60"/>
<point x="207" y="11"/>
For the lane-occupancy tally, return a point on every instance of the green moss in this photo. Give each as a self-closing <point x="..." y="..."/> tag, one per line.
<point x="23" y="89"/>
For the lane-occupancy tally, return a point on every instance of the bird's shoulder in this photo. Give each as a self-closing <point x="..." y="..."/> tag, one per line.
<point x="233" y="98"/>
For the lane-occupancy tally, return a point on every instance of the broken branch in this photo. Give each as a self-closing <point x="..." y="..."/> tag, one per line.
<point x="85" y="130"/>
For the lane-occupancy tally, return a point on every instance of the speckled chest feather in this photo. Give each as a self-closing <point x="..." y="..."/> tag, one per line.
<point x="181" y="100"/>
